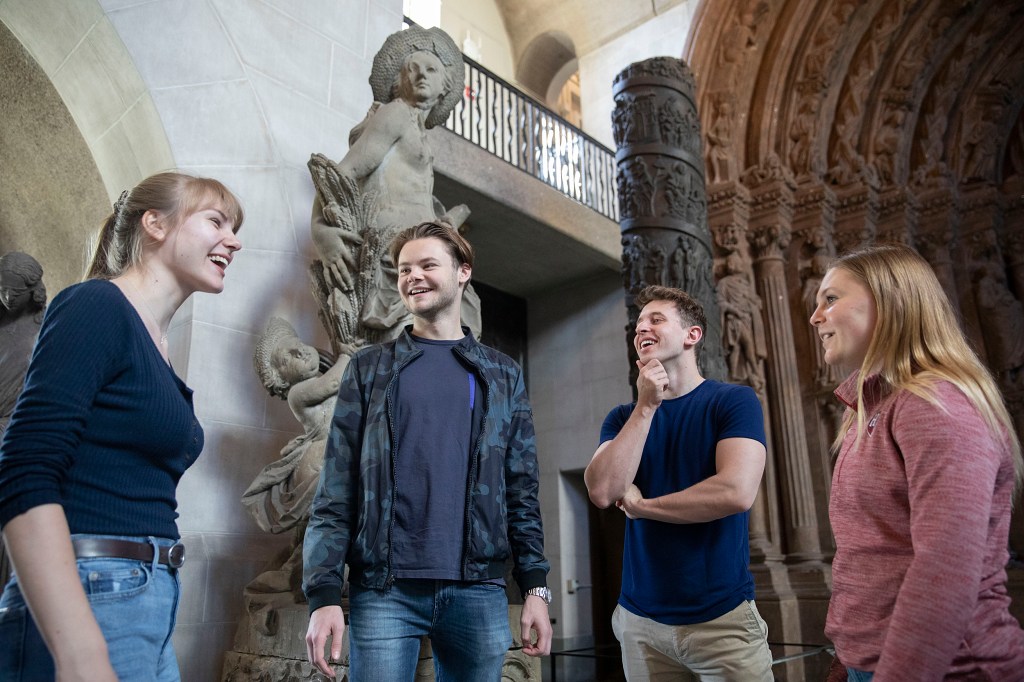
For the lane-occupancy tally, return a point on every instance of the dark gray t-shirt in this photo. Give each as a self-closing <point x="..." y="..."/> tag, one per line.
<point x="435" y="403"/>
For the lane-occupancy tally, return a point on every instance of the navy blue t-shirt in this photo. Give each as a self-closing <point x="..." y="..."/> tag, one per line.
<point x="680" y="574"/>
<point x="436" y="398"/>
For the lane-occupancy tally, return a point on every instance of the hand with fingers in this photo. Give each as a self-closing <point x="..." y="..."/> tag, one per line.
<point x="327" y="622"/>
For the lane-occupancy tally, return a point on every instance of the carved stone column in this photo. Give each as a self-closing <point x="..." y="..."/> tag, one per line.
<point x="897" y="216"/>
<point x="772" y="190"/>
<point x="811" y="253"/>
<point x="936" y="233"/>
<point x="1013" y="249"/>
<point x="982" y="279"/>
<point x="662" y="202"/>
<point x="728" y="214"/>
<point x="1013" y="233"/>
<point x="856" y="216"/>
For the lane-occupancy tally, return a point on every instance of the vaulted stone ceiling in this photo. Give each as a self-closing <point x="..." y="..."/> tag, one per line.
<point x="891" y="92"/>
<point x="902" y="90"/>
<point x="587" y="23"/>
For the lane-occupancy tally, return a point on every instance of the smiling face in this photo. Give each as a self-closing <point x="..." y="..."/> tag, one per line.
<point x="430" y="280"/>
<point x="422" y="79"/>
<point x="661" y="333"/>
<point x="201" y="248"/>
<point x="845" y="319"/>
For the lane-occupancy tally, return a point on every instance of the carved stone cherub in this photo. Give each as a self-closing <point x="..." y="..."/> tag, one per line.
<point x="279" y="498"/>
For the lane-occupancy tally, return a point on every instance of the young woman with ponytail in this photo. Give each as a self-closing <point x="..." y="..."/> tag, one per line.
<point x="924" y="482"/>
<point x="98" y="440"/>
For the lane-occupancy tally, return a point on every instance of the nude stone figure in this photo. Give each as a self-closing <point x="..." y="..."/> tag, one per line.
<point x="384" y="184"/>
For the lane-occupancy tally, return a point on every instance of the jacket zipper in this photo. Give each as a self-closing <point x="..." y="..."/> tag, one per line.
<point x="389" y="400"/>
<point x="474" y="464"/>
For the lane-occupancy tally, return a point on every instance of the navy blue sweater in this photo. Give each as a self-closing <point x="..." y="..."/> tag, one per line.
<point x="103" y="427"/>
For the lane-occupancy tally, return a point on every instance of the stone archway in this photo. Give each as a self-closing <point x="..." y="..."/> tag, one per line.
<point x="831" y="124"/>
<point x="84" y="58"/>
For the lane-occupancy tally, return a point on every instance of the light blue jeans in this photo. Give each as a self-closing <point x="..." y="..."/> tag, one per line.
<point x="135" y="604"/>
<point x="854" y="675"/>
<point x="467" y="624"/>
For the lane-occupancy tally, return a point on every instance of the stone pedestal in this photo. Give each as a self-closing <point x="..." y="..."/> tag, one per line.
<point x="282" y="657"/>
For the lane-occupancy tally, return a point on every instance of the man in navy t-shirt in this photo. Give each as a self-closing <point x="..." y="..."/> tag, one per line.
<point x="684" y="464"/>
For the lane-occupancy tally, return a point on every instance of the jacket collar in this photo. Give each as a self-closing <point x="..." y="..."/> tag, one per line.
<point x="875" y="389"/>
<point x="404" y="343"/>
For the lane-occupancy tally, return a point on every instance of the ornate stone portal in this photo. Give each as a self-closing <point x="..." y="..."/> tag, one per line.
<point x="837" y="124"/>
<point x="382" y="185"/>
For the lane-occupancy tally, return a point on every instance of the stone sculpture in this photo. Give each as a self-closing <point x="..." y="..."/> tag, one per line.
<point x="384" y="184"/>
<point x="279" y="498"/>
<point x="742" y="327"/>
<point x="22" y="301"/>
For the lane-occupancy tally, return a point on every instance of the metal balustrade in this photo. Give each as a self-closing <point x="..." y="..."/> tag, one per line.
<point x="516" y="128"/>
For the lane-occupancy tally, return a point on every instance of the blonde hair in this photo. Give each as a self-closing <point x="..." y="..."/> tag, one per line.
<point x="174" y="195"/>
<point x="917" y="341"/>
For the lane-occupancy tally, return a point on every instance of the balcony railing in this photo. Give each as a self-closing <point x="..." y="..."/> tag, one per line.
<point x="520" y="130"/>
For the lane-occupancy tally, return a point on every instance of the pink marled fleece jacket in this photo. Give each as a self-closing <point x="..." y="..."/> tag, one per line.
<point x="921" y="514"/>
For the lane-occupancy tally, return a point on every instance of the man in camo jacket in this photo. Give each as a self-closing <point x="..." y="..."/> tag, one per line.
<point x="428" y="488"/>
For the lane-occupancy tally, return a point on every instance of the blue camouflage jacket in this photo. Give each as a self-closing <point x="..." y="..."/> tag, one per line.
<point x="351" y="518"/>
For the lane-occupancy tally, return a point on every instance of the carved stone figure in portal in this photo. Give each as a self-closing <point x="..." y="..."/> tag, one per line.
<point x="279" y="498"/>
<point x="742" y="327"/>
<point x="1002" y="321"/>
<point x="382" y="185"/>
<point x="22" y="300"/>
<point x="825" y="375"/>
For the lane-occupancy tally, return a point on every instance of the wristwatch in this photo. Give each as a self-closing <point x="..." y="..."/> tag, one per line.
<point x="542" y="592"/>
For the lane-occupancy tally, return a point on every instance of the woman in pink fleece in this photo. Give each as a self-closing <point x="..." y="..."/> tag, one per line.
<point x="927" y="469"/>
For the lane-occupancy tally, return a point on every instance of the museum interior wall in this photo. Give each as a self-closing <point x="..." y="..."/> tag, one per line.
<point x="825" y="124"/>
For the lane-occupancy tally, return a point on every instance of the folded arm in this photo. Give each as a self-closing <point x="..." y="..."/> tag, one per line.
<point x="739" y="464"/>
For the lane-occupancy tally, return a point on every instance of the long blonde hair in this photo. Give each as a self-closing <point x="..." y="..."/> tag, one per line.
<point x="918" y="341"/>
<point x="174" y="195"/>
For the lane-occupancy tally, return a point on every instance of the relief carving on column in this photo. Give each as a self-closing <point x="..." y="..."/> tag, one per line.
<point x="818" y="254"/>
<point x="815" y="80"/>
<point x="898" y="216"/>
<point x="721" y="157"/>
<point x="662" y="201"/>
<point x="1000" y="313"/>
<point x="743" y="334"/>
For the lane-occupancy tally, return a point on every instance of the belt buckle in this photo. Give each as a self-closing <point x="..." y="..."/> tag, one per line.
<point x="176" y="555"/>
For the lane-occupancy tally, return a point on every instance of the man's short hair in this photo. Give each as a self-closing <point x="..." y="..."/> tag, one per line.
<point x="456" y="245"/>
<point x="690" y="311"/>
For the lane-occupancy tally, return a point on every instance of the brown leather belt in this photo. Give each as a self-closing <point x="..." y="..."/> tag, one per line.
<point x="94" y="548"/>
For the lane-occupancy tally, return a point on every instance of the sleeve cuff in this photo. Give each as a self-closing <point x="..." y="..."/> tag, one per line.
<point x="325" y="595"/>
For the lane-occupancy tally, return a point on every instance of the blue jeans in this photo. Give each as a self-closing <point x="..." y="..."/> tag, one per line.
<point x="134" y="602"/>
<point x="854" y="675"/>
<point x="467" y="624"/>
